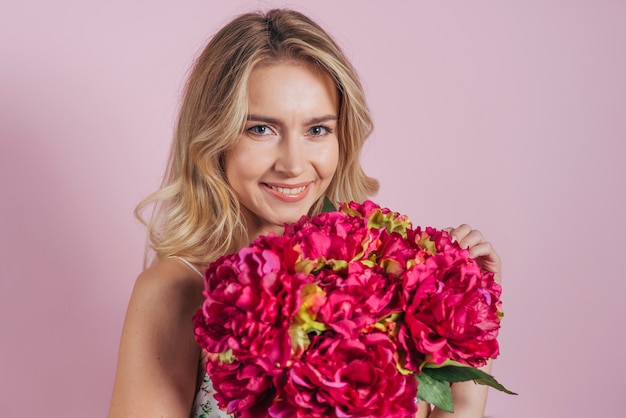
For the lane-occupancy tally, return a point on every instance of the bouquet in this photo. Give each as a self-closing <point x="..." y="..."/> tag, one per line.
<point x="351" y="313"/>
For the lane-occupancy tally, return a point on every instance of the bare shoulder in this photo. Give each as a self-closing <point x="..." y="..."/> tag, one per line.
<point x="171" y="283"/>
<point x="158" y="358"/>
<point x="164" y="299"/>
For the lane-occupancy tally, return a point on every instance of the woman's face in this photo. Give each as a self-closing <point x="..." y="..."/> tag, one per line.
<point x="287" y="155"/>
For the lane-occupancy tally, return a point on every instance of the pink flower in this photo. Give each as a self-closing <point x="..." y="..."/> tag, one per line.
<point x="251" y="299"/>
<point x="358" y="298"/>
<point x="242" y="389"/>
<point x="331" y="237"/>
<point x="394" y="253"/>
<point x="453" y="313"/>
<point x="342" y="377"/>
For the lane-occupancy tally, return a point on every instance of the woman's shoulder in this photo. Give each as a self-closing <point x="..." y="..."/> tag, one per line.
<point x="164" y="299"/>
<point x="169" y="281"/>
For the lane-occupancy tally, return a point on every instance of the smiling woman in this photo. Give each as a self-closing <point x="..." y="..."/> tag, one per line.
<point x="272" y="124"/>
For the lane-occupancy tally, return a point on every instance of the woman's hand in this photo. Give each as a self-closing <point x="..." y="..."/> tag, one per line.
<point x="479" y="249"/>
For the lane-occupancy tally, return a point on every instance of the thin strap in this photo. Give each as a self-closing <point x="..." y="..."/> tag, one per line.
<point x="191" y="266"/>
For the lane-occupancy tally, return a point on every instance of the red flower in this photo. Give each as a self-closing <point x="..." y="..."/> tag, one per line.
<point x="332" y="236"/>
<point x="454" y="311"/>
<point x="341" y="377"/>
<point x="357" y="298"/>
<point x="394" y="253"/>
<point x="242" y="389"/>
<point x="251" y="299"/>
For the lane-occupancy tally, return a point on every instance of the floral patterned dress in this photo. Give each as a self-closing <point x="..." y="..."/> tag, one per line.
<point x="205" y="405"/>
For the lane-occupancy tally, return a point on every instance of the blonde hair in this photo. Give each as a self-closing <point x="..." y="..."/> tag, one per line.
<point x="196" y="214"/>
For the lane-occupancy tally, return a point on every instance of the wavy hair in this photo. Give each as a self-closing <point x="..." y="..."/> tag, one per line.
<point x="195" y="213"/>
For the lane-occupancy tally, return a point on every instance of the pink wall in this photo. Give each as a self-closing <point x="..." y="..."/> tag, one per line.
<point x="510" y="116"/>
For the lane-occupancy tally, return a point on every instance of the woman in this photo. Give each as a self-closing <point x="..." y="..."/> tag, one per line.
<point x="272" y="121"/>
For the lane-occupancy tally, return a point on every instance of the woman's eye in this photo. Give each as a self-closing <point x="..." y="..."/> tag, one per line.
<point x="319" y="130"/>
<point x="260" y="130"/>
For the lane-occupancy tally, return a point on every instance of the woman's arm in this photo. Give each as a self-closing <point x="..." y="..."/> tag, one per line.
<point x="158" y="358"/>
<point x="469" y="399"/>
<point x="423" y="409"/>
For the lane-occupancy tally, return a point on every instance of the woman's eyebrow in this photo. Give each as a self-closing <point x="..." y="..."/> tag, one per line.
<point x="266" y="119"/>
<point x="322" y="119"/>
<point x="274" y="121"/>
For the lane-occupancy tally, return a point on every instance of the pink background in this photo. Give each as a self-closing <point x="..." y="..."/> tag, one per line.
<point x="510" y="116"/>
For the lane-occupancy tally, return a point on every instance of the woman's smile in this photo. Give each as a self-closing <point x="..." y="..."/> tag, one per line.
<point x="288" y="193"/>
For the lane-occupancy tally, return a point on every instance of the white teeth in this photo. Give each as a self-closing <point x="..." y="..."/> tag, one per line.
<point x="284" y="190"/>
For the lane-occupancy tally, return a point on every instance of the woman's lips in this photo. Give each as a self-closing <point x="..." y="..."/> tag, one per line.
<point x="288" y="192"/>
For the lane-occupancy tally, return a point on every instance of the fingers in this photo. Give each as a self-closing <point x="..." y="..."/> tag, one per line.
<point x="479" y="249"/>
<point x="482" y="249"/>
<point x="464" y="235"/>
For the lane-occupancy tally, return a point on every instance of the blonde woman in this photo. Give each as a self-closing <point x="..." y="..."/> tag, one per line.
<point x="272" y="121"/>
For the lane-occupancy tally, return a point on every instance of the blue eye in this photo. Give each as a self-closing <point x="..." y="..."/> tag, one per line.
<point x="260" y="130"/>
<point x="319" y="130"/>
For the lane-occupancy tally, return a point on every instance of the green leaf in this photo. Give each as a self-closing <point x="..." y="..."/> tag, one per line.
<point x="328" y="206"/>
<point x="434" y="391"/>
<point x="451" y="371"/>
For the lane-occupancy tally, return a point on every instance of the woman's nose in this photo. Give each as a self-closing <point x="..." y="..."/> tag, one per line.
<point x="290" y="158"/>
